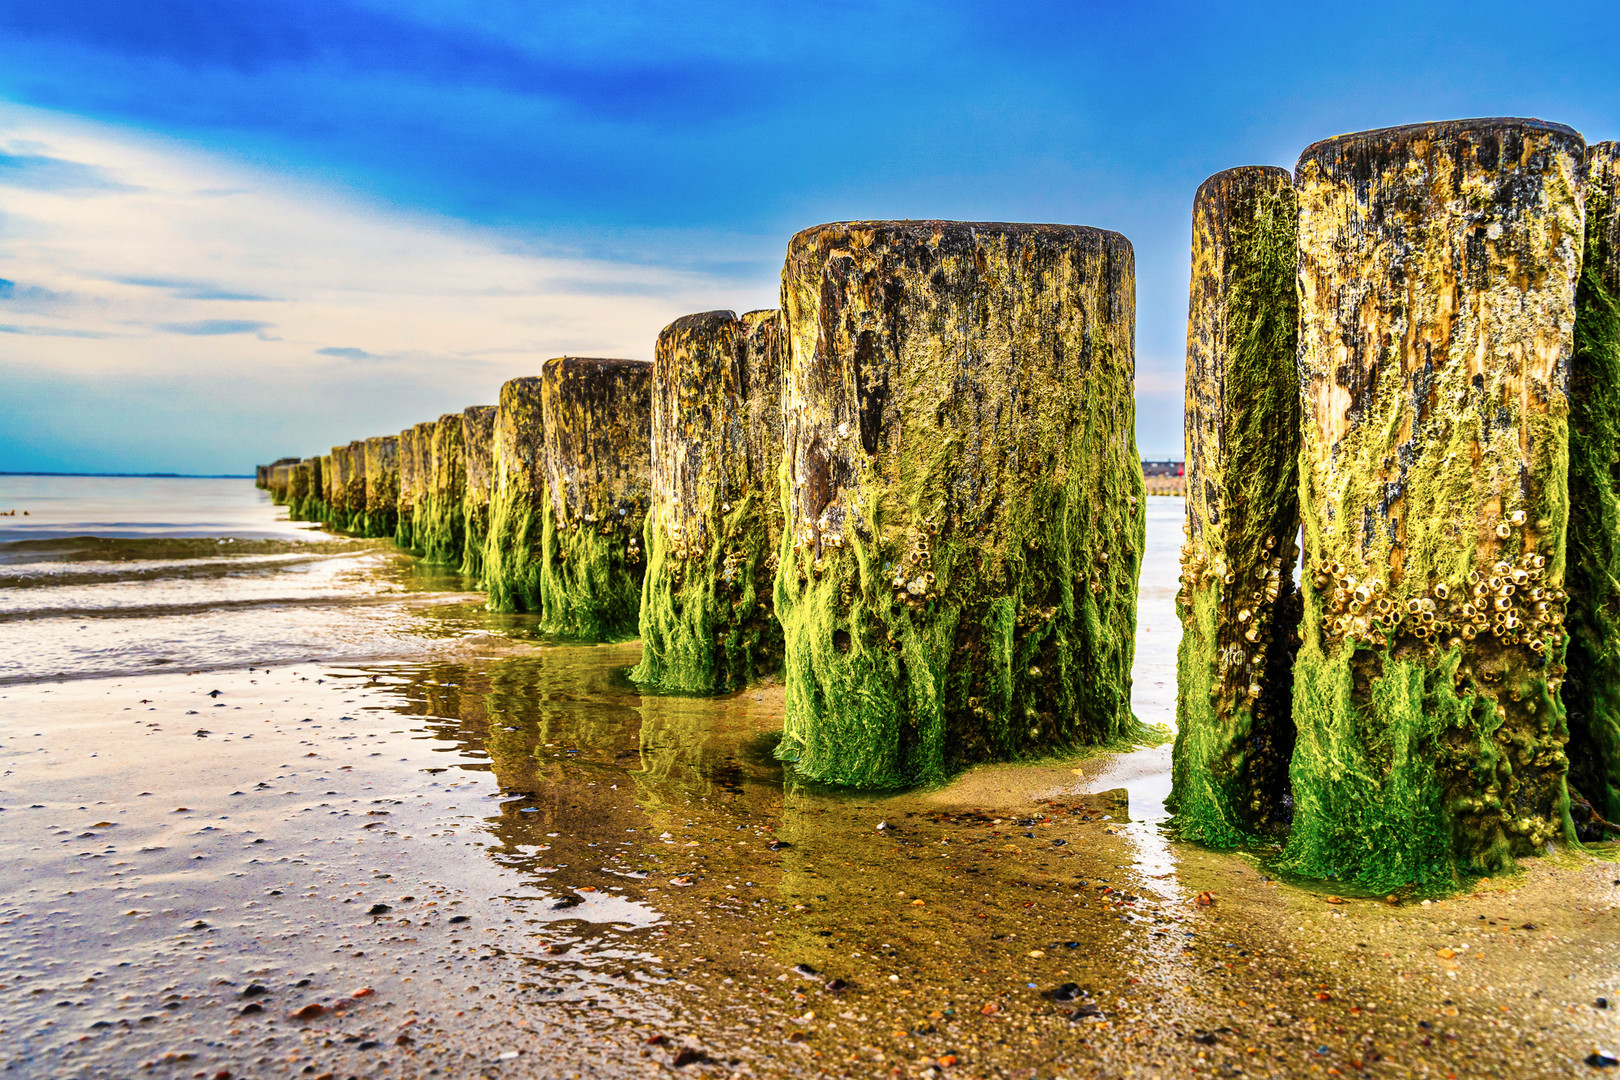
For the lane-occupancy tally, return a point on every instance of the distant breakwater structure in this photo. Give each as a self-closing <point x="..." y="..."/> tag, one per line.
<point x="912" y="492"/>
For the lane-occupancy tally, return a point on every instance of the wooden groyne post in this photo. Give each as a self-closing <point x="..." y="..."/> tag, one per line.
<point x="405" y="507"/>
<point x="1238" y="604"/>
<point x="337" y="500"/>
<point x="1591" y="689"/>
<point x="715" y="520"/>
<point x="354" y="488"/>
<point x="1437" y="272"/>
<point x="382" y="485"/>
<point x="965" y="520"/>
<point x="518" y="494"/>
<point x="477" y="448"/>
<point x="442" y="528"/>
<point x="597" y="431"/>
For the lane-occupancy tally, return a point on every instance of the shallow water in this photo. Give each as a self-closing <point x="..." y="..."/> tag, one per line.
<point x="571" y="868"/>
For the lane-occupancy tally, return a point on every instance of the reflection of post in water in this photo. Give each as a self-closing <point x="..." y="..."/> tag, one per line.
<point x="704" y="748"/>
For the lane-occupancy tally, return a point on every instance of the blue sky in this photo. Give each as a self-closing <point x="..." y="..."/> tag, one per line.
<point x="231" y="230"/>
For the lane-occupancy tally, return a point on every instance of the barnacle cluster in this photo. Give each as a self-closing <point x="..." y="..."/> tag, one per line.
<point x="1241" y="661"/>
<point x="913" y="579"/>
<point x="1508" y="600"/>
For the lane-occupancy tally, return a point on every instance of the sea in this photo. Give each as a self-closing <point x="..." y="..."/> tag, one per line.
<point x="106" y="576"/>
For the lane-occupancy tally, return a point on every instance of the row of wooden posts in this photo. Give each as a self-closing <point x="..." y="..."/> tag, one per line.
<point x="913" y="490"/>
<point x="1408" y="354"/>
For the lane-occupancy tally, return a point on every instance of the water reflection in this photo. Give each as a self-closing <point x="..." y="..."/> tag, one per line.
<point x="657" y="844"/>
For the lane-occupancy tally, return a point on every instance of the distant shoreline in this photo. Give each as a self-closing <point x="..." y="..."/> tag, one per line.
<point x="138" y="475"/>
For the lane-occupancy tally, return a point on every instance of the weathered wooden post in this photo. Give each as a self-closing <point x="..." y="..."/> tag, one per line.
<point x="1238" y="605"/>
<point x="477" y="447"/>
<point x="326" y="489"/>
<point x="308" y="505"/>
<point x="280" y="483"/>
<point x="597" y="427"/>
<point x="261" y="476"/>
<point x="1437" y="267"/>
<point x="958" y="573"/>
<point x="355" y="488"/>
<point x="338" y="501"/>
<point x="1591" y="690"/>
<point x="421" y="469"/>
<point x="405" y="508"/>
<point x="518" y="495"/>
<point x="711" y="533"/>
<point x="382" y="484"/>
<point x="442" y="528"/>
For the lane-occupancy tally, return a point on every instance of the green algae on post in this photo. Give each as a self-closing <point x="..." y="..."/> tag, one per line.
<point x="382" y="485"/>
<point x="308" y="502"/>
<point x="1437" y="269"/>
<point x="597" y="431"/>
<point x="405" y="508"/>
<point x="711" y="534"/>
<point x="441" y="528"/>
<point x="354" y="489"/>
<point x="477" y="448"/>
<point x="513" y="551"/>
<point x="1591" y="691"/>
<point x="421" y="481"/>
<point x="963" y="493"/>
<point x="337" y="500"/>
<point x="280" y="483"/>
<point x="1238" y="605"/>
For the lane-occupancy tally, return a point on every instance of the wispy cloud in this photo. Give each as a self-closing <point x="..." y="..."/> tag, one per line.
<point x="217" y="327"/>
<point x="227" y="301"/>
<point x="40" y="173"/>
<point x="190" y="290"/>
<point x="347" y="353"/>
<point x="49" y="331"/>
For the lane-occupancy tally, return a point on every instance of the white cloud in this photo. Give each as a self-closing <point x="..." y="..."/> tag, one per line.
<point x="134" y="258"/>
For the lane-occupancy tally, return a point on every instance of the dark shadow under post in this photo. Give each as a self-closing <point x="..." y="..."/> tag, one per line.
<point x="598" y="417"/>
<point x="965" y="527"/>
<point x="1591" y="689"/>
<point x="477" y="447"/>
<point x="1238" y="604"/>
<point x="1437" y="271"/>
<point x="706" y="617"/>
<point x="514" y="550"/>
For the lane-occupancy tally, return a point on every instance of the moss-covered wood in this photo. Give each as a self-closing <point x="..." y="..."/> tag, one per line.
<point x="280" y="483"/>
<point x="477" y="448"/>
<point x="514" y="549"/>
<point x="354" y="489"/>
<point x="1238" y="604"/>
<point x="964" y="497"/>
<point x="382" y="485"/>
<point x="264" y="473"/>
<point x="421" y="482"/>
<point x="706" y="617"/>
<point x="597" y="430"/>
<point x="1591" y="690"/>
<point x="405" y="508"/>
<point x="305" y="501"/>
<point x="442" y="526"/>
<point x="1437" y="268"/>
<point x="337" y="496"/>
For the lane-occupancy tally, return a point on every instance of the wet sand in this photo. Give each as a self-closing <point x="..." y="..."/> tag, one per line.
<point x="643" y="891"/>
